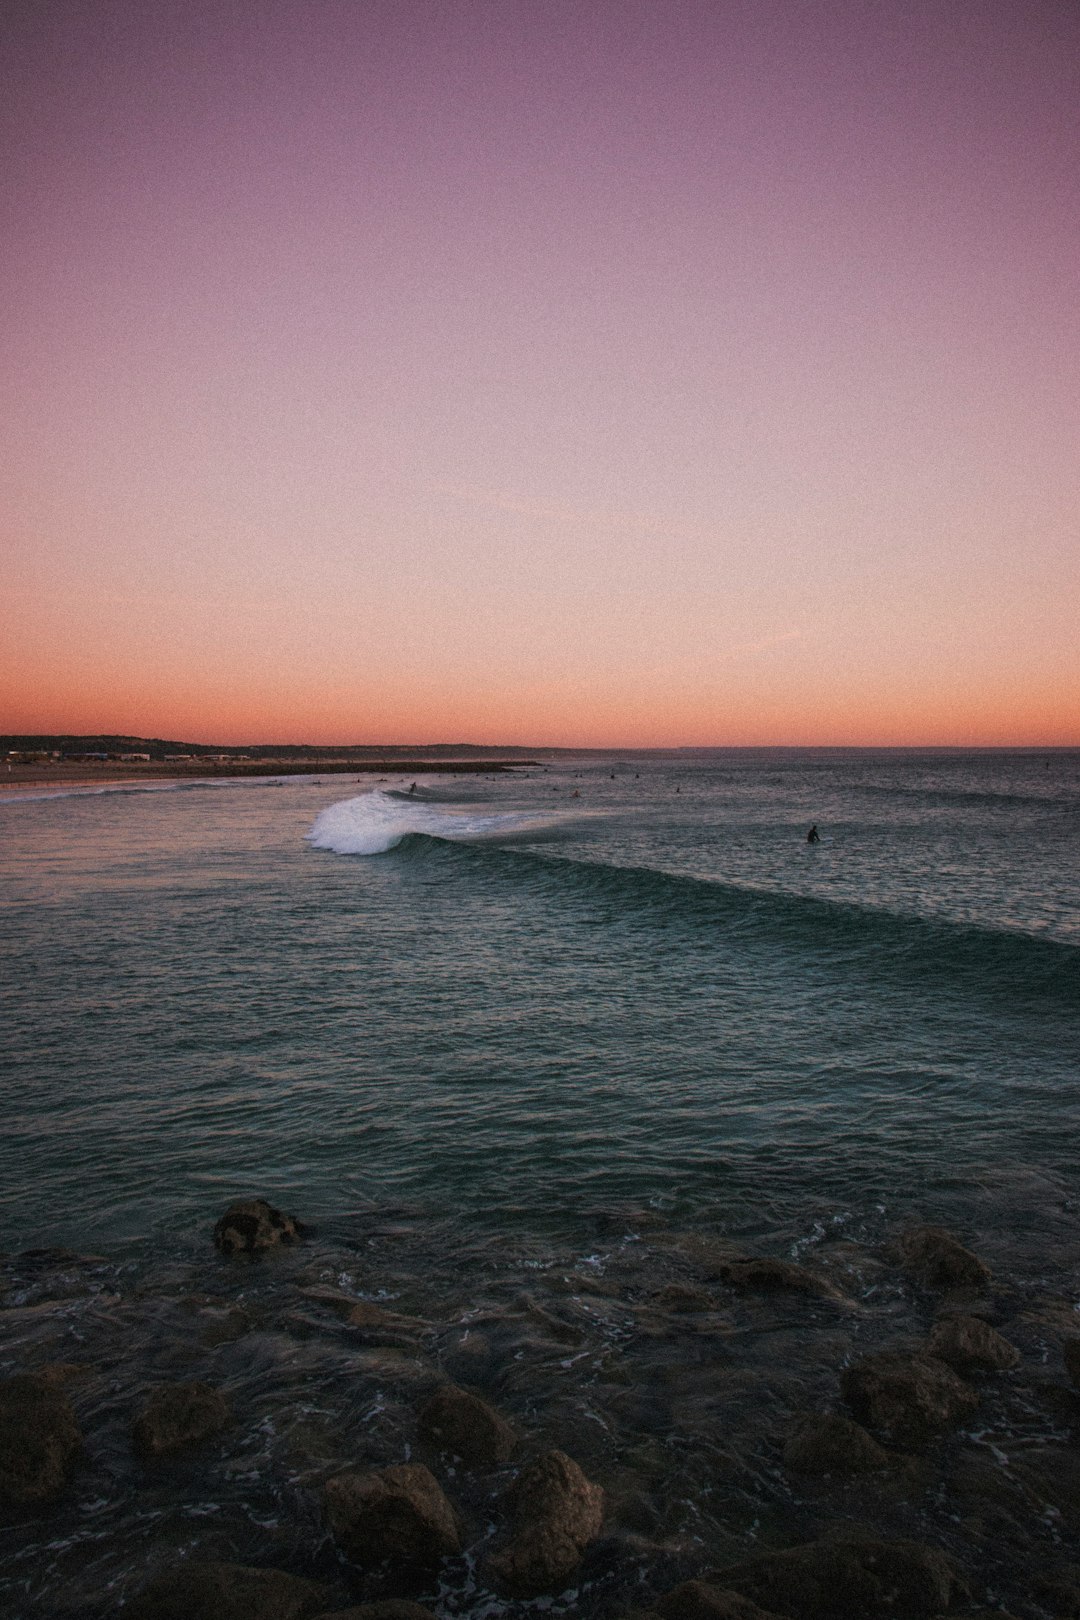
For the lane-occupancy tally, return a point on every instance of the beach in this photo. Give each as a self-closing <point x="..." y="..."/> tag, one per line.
<point x="665" y="1214"/>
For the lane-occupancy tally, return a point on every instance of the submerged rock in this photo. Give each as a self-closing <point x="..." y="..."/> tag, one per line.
<point x="848" y="1580"/>
<point x="968" y="1344"/>
<point x="907" y="1398"/>
<point x="830" y="1444"/>
<point x="1070" y="1351"/>
<point x="398" y="1514"/>
<point x="463" y="1424"/>
<point x="936" y="1259"/>
<point x="208" y="1590"/>
<point x="177" y="1416"/>
<point x="697" y="1600"/>
<point x="40" y="1442"/>
<point x="770" y="1276"/>
<point x="556" y="1513"/>
<point x="252" y="1226"/>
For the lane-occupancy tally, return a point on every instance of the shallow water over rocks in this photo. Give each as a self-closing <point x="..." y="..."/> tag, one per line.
<point x="675" y="1376"/>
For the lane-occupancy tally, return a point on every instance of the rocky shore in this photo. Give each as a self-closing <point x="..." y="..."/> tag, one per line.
<point x="292" y="1425"/>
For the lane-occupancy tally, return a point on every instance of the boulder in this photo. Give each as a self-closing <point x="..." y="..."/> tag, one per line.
<point x="774" y="1276"/>
<point x="203" y="1589"/>
<point x="906" y="1398"/>
<point x="968" y="1344"/>
<point x="253" y="1226"/>
<point x="398" y="1514"/>
<point x="933" y="1258"/>
<point x="467" y="1427"/>
<point x="830" y="1444"/>
<point x="1070" y="1351"/>
<point x="696" y="1600"/>
<point x="40" y="1442"/>
<point x="848" y="1580"/>
<point x="385" y="1609"/>
<point x="556" y="1513"/>
<point x="177" y="1416"/>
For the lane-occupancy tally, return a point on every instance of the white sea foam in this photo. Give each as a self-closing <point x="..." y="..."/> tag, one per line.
<point x="375" y="822"/>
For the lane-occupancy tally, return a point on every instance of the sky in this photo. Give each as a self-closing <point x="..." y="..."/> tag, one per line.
<point x="582" y="372"/>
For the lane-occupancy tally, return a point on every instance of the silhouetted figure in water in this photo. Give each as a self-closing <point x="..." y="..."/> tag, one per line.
<point x="413" y="788"/>
<point x="812" y="836"/>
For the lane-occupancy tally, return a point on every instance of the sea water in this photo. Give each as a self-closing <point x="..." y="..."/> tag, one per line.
<point x="518" y="1049"/>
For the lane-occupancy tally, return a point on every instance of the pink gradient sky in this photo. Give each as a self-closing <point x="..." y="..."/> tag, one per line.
<point x="613" y="373"/>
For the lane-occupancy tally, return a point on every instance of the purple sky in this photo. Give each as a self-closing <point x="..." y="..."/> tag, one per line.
<point x="601" y="373"/>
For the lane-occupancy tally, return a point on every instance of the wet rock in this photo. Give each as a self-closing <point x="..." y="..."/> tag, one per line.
<point x="463" y="1424"/>
<point x="398" y="1514"/>
<point x="968" y="1344"/>
<point x="177" y="1416"/>
<point x="830" y="1444"/>
<point x="253" y="1226"/>
<point x="848" y="1580"/>
<point x="906" y="1398"/>
<point x="1070" y="1351"/>
<point x="40" y="1442"/>
<point x="207" y="1590"/>
<point x="774" y="1276"/>
<point x="386" y="1609"/>
<point x="678" y="1297"/>
<point x="556" y="1513"/>
<point x="696" y="1600"/>
<point x="936" y="1259"/>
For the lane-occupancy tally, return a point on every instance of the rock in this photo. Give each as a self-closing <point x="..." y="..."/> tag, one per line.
<point x="906" y="1398"/>
<point x="463" y="1424"/>
<point x="556" y="1512"/>
<point x="177" y="1416"/>
<point x="40" y="1442"/>
<point x="935" y="1259"/>
<point x="968" y="1344"/>
<point x="848" y="1580"/>
<point x="253" y="1226"/>
<point x="1059" y="1591"/>
<point x="771" y="1276"/>
<point x="397" y="1513"/>
<point x="1070" y="1351"/>
<point x="386" y="1609"/>
<point x="207" y="1590"/>
<point x="830" y="1444"/>
<point x="696" y="1600"/>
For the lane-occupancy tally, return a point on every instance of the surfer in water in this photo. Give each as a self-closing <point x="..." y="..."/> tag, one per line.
<point x="812" y="836"/>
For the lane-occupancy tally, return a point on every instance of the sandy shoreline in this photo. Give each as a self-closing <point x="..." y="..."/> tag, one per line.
<point x="24" y="777"/>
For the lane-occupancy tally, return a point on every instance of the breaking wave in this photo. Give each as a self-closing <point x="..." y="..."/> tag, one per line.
<point x="375" y="822"/>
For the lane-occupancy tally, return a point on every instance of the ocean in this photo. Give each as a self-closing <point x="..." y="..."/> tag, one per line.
<point x="518" y="1050"/>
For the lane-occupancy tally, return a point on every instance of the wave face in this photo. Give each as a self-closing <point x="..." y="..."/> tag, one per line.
<point x="373" y="823"/>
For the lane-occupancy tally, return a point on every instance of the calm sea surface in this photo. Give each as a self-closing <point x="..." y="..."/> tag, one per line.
<point x="530" y="1056"/>
<point x="620" y="981"/>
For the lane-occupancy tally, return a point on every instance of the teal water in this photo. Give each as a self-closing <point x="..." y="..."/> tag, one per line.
<point x="532" y="1005"/>
<point x="530" y="1056"/>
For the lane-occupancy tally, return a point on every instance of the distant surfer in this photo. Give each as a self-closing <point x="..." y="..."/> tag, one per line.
<point x="812" y="836"/>
<point x="413" y="788"/>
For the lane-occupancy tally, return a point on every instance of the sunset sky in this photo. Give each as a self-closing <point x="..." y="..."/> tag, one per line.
<point x="641" y="372"/>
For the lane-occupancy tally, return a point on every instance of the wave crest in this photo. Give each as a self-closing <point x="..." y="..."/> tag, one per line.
<point x="376" y="822"/>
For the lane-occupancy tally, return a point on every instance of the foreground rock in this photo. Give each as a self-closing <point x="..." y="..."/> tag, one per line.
<point x="177" y="1416"/>
<point x="935" y="1259"/>
<point x="385" y="1609"/>
<point x="848" y="1580"/>
<point x="396" y="1515"/>
<point x="208" y="1590"/>
<point x="968" y="1344"/>
<point x="254" y="1226"/>
<point x="467" y="1427"/>
<point x="1070" y="1351"/>
<point x="556" y="1513"/>
<point x="40" y="1442"/>
<point x="774" y="1276"/>
<point x="697" y="1600"/>
<point x="906" y="1398"/>
<point x="830" y="1444"/>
